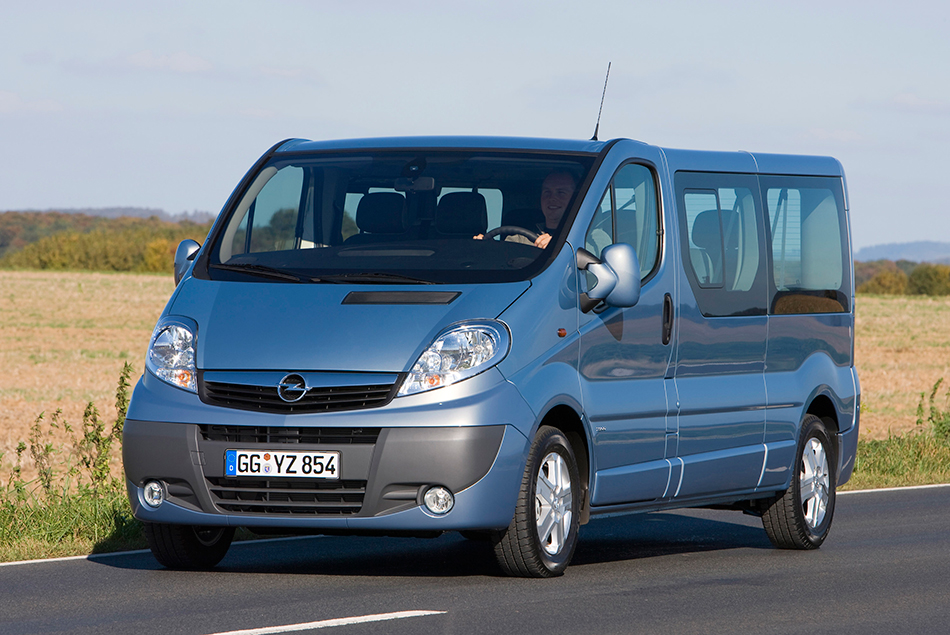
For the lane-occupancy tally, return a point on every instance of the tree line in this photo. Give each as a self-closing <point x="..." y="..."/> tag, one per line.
<point x="53" y="240"/>
<point x="903" y="277"/>
<point x="96" y="244"/>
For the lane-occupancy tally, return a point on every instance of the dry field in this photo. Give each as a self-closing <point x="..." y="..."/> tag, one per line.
<point x="63" y="340"/>
<point x="902" y="348"/>
<point x="65" y="336"/>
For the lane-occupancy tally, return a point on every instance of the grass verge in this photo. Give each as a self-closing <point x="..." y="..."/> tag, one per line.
<point x="74" y="506"/>
<point x="901" y="461"/>
<point x="919" y="457"/>
<point x="68" y="524"/>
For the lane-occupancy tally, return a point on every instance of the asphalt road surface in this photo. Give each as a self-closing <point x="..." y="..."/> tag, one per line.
<point x="885" y="568"/>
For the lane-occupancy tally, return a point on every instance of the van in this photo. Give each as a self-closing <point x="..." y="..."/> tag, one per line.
<point x="505" y="338"/>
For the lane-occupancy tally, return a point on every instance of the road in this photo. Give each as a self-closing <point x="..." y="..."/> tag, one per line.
<point x="885" y="568"/>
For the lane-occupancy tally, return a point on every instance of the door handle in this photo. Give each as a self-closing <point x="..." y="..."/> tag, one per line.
<point x="667" y="318"/>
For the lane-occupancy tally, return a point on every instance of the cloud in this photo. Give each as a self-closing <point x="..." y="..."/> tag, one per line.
<point x="12" y="103"/>
<point x="911" y="102"/>
<point x="175" y="63"/>
<point x="907" y="103"/>
<point x="257" y="113"/>
<point x="837" y="135"/>
<point x="288" y="73"/>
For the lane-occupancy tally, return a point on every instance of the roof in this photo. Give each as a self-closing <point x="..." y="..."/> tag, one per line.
<point x="453" y="142"/>
<point x="752" y="162"/>
<point x="699" y="160"/>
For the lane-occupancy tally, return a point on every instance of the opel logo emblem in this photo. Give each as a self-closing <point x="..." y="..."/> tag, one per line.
<point x="292" y="388"/>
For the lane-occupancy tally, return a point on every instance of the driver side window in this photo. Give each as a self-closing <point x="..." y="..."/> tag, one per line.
<point x="628" y="213"/>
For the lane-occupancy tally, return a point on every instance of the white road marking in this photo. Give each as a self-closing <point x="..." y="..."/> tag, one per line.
<point x="340" y="621"/>
<point x="893" y="489"/>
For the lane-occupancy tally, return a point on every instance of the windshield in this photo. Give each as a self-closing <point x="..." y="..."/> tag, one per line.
<point x="398" y="218"/>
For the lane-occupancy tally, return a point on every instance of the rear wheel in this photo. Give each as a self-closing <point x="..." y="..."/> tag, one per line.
<point x="188" y="547"/>
<point x="801" y="517"/>
<point x="542" y="536"/>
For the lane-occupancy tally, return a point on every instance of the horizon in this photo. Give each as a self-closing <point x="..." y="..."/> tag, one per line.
<point x="943" y="246"/>
<point x="167" y="106"/>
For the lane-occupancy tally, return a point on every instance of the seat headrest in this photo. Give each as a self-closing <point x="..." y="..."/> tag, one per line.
<point x="706" y="231"/>
<point x="382" y="213"/>
<point x="463" y="213"/>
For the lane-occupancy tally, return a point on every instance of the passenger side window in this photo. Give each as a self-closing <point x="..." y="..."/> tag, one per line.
<point x="722" y="236"/>
<point x="628" y="213"/>
<point x="273" y="215"/>
<point x="809" y="265"/>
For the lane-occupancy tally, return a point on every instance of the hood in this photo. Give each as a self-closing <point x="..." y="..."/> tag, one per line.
<point x="368" y="328"/>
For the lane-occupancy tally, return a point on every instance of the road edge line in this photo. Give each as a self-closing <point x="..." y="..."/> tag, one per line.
<point x="113" y="554"/>
<point x="893" y="489"/>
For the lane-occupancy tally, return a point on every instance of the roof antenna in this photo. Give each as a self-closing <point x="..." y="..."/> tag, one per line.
<point x="597" y="127"/>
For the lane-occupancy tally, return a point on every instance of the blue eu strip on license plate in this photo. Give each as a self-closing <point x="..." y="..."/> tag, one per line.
<point x="271" y="464"/>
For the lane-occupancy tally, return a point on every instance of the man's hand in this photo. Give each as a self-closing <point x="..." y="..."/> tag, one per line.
<point x="542" y="241"/>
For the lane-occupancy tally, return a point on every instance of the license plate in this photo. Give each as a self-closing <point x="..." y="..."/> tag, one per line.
<point x="270" y="463"/>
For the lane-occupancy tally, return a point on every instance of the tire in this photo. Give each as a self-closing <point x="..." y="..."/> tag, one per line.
<point x="187" y="547"/>
<point x="541" y="538"/>
<point x="801" y="517"/>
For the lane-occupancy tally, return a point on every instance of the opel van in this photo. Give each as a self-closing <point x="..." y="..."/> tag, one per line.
<point x="505" y="338"/>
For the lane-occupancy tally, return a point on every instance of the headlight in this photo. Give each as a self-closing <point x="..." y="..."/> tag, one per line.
<point x="461" y="351"/>
<point x="171" y="352"/>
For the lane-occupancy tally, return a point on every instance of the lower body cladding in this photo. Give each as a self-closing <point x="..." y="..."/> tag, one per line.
<point x="382" y="478"/>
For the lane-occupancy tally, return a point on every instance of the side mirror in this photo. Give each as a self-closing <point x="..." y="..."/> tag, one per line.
<point x="617" y="274"/>
<point x="183" y="256"/>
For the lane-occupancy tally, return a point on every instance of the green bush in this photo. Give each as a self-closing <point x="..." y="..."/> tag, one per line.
<point x="928" y="279"/>
<point x="125" y="244"/>
<point x="938" y="421"/>
<point x="886" y="282"/>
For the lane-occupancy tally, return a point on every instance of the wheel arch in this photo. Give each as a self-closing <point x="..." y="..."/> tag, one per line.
<point x="823" y="407"/>
<point x="566" y="419"/>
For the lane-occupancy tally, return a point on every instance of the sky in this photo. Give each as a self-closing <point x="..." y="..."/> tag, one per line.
<point x="166" y="105"/>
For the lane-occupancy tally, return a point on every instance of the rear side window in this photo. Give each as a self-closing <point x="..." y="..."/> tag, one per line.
<point x="810" y="268"/>
<point x="723" y="242"/>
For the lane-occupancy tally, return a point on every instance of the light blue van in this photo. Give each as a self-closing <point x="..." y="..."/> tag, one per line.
<point x="501" y="337"/>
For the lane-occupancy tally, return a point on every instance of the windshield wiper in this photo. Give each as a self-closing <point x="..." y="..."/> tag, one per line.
<point x="371" y="277"/>
<point x="259" y="270"/>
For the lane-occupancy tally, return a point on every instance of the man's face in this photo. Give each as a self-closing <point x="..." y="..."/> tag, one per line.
<point x="556" y="192"/>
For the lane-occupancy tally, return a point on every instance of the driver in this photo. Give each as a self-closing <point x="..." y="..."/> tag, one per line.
<point x="556" y="193"/>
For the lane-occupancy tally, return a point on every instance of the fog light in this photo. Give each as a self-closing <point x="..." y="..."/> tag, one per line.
<point x="153" y="494"/>
<point x="439" y="500"/>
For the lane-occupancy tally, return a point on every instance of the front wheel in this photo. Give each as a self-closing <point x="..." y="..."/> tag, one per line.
<point x="542" y="536"/>
<point x="801" y="517"/>
<point x="188" y="547"/>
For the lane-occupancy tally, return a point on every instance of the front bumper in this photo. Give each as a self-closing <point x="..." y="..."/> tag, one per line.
<point x="382" y="479"/>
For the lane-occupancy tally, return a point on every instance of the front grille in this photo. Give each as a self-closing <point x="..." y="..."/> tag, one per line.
<point x="318" y="399"/>
<point x="271" y="435"/>
<point x="287" y="496"/>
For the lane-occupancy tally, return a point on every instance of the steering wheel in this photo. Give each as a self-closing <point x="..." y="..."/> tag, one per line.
<point x="508" y="230"/>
